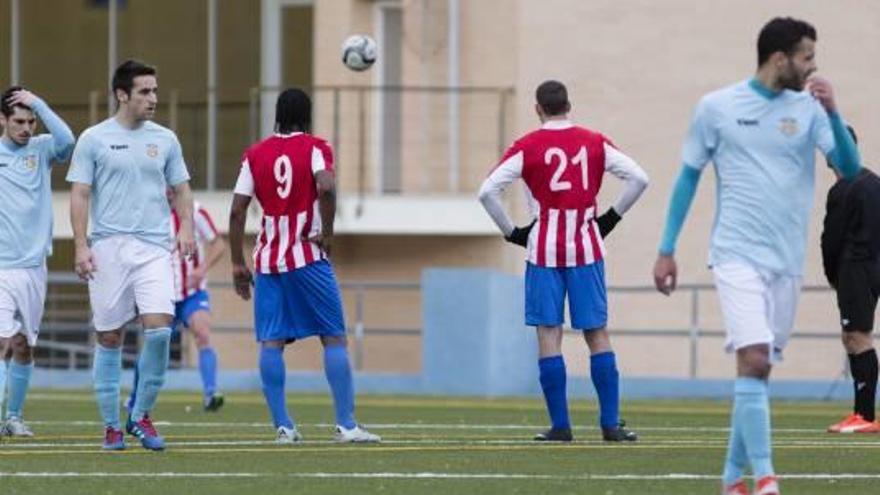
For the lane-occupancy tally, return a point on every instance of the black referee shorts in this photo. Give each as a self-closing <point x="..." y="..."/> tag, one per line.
<point x="858" y="286"/>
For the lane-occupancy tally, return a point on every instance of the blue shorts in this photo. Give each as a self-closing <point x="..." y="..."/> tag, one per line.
<point x="546" y="288"/>
<point x="183" y="310"/>
<point x="298" y="304"/>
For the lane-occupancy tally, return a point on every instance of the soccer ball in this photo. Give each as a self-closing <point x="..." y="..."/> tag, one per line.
<point x="358" y="52"/>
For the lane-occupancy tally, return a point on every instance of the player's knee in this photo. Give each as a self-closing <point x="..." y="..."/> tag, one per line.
<point x="334" y="340"/>
<point x="856" y="342"/>
<point x="110" y="340"/>
<point x="22" y="352"/>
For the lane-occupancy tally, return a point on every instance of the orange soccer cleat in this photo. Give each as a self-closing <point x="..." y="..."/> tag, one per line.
<point x="768" y="485"/>
<point x="738" y="488"/>
<point x="854" y="423"/>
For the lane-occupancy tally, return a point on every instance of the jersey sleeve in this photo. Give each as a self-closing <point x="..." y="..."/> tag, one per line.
<point x="82" y="164"/>
<point x="702" y="137"/>
<point x="507" y="171"/>
<point x="204" y="224"/>
<point x="245" y="183"/>
<point x="322" y="157"/>
<point x="175" y="167"/>
<point x="822" y="133"/>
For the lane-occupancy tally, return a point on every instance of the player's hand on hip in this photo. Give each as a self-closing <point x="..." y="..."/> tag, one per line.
<point x="665" y="274"/>
<point x="822" y="90"/>
<point x="520" y="235"/>
<point x="194" y="281"/>
<point x="22" y="97"/>
<point x="84" y="263"/>
<point x="243" y="280"/>
<point x="324" y="241"/>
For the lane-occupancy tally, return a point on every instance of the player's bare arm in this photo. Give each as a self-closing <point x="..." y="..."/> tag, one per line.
<point x="183" y="204"/>
<point x="326" y="184"/>
<point x="80" y="196"/>
<point x="241" y="274"/>
<point x="214" y="250"/>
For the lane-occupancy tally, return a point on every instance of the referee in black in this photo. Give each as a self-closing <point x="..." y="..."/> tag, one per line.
<point x="851" y="259"/>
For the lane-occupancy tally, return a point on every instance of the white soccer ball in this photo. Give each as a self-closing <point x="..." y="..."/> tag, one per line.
<point x="358" y="52"/>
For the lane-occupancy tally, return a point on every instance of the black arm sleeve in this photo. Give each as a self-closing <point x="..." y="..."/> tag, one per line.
<point x="834" y="231"/>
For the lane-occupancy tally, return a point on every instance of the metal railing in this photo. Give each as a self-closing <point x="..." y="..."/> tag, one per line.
<point x="62" y="320"/>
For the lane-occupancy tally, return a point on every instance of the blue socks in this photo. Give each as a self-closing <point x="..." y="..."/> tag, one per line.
<point x="553" y="380"/>
<point x="106" y="371"/>
<point x="208" y="370"/>
<point x="19" y="380"/>
<point x="152" y="365"/>
<point x="338" y="373"/>
<point x="272" y="373"/>
<point x="603" y="371"/>
<point x="750" y="430"/>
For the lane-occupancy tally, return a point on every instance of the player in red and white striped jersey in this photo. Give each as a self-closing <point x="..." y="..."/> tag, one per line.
<point x="562" y="166"/>
<point x="192" y="303"/>
<point x="295" y="291"/>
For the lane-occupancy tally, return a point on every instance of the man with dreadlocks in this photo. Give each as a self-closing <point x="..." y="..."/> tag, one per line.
<point x="295" y="291"/>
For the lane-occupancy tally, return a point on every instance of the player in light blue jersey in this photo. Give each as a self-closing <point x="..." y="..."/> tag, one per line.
<point x="25" y="238"/>
<point x="761" y="134"/>
<point x="120" y="168"/>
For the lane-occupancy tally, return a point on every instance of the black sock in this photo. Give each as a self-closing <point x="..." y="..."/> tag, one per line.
<point x="864" y="372"/>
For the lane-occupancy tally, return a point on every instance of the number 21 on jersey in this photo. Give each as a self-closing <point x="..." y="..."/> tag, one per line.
<point x="558" y="156"/>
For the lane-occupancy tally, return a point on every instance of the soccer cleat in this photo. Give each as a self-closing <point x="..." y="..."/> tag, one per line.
<point x="619" y="434"/>
<point x="287" y="436"/>
<point x="146" y="433"/>
<point x="358" y="434"/>
<point x="214" y="403"/>
<point x="554" y="435"/>
<point x="113" y="439"/>
<point x="738" y="488"/>
<point x="854" y="423"/>
<point x="15" y="427"/>
<point x="768" y="485"/>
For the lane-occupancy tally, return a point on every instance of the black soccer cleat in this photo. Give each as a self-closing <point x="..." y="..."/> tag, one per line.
<point x="214" y="403"/>
<point x="555" y="435"/>
<point x="619" y="434"/>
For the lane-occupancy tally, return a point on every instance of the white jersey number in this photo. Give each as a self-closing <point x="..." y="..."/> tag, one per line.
<point x="580" y="159"/>
<point x="284" y="175"/>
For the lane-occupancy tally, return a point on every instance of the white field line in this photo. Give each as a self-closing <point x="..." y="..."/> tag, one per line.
<point x="426" y="426"/>
<point x="429" y="442"/>
<point x="432" y="475"/>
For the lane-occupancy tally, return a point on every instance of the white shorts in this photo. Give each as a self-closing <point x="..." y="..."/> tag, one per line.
<point x="132" y="277"/>
<point x="22" y="296"/>
<point x="758" y="306"/>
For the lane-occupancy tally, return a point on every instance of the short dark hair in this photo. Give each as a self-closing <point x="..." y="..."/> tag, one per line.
<point x="782" y="34"/>
<point x="123" y="76"/>
<point x="5" y="108"/>
<point x="293" y="111"/>
<point x="553" y="98"/>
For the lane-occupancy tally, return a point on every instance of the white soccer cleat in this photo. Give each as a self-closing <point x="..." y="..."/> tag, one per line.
<point x="288" y="436"/>
<point x="15" y="427"/>
<point x="358" y="434"/>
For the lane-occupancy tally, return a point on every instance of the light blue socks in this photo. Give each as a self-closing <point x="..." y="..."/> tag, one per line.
<point x="152" y="365"/>
<point x="106" y="371"/>
<point x="208" y="371"/>
<point x="750" y="431"/>
<point x="19" y="380"/>
<point x="2" y="385"/>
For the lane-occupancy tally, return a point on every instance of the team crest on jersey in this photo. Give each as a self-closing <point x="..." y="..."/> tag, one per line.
<point x="152" y="150"/>
<point x="30" y="162"/>
<point x="788" y="126"/>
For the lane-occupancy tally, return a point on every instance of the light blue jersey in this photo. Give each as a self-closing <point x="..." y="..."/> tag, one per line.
<point x="763" y="146"/>
<point x="129" y="171"/>
<point x="26" y="191"/>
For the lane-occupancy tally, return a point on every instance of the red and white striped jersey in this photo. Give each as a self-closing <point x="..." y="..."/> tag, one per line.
<point x="279" y="171"/>
<point x="205" y="231"/>
<point x="562" y="166"/>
